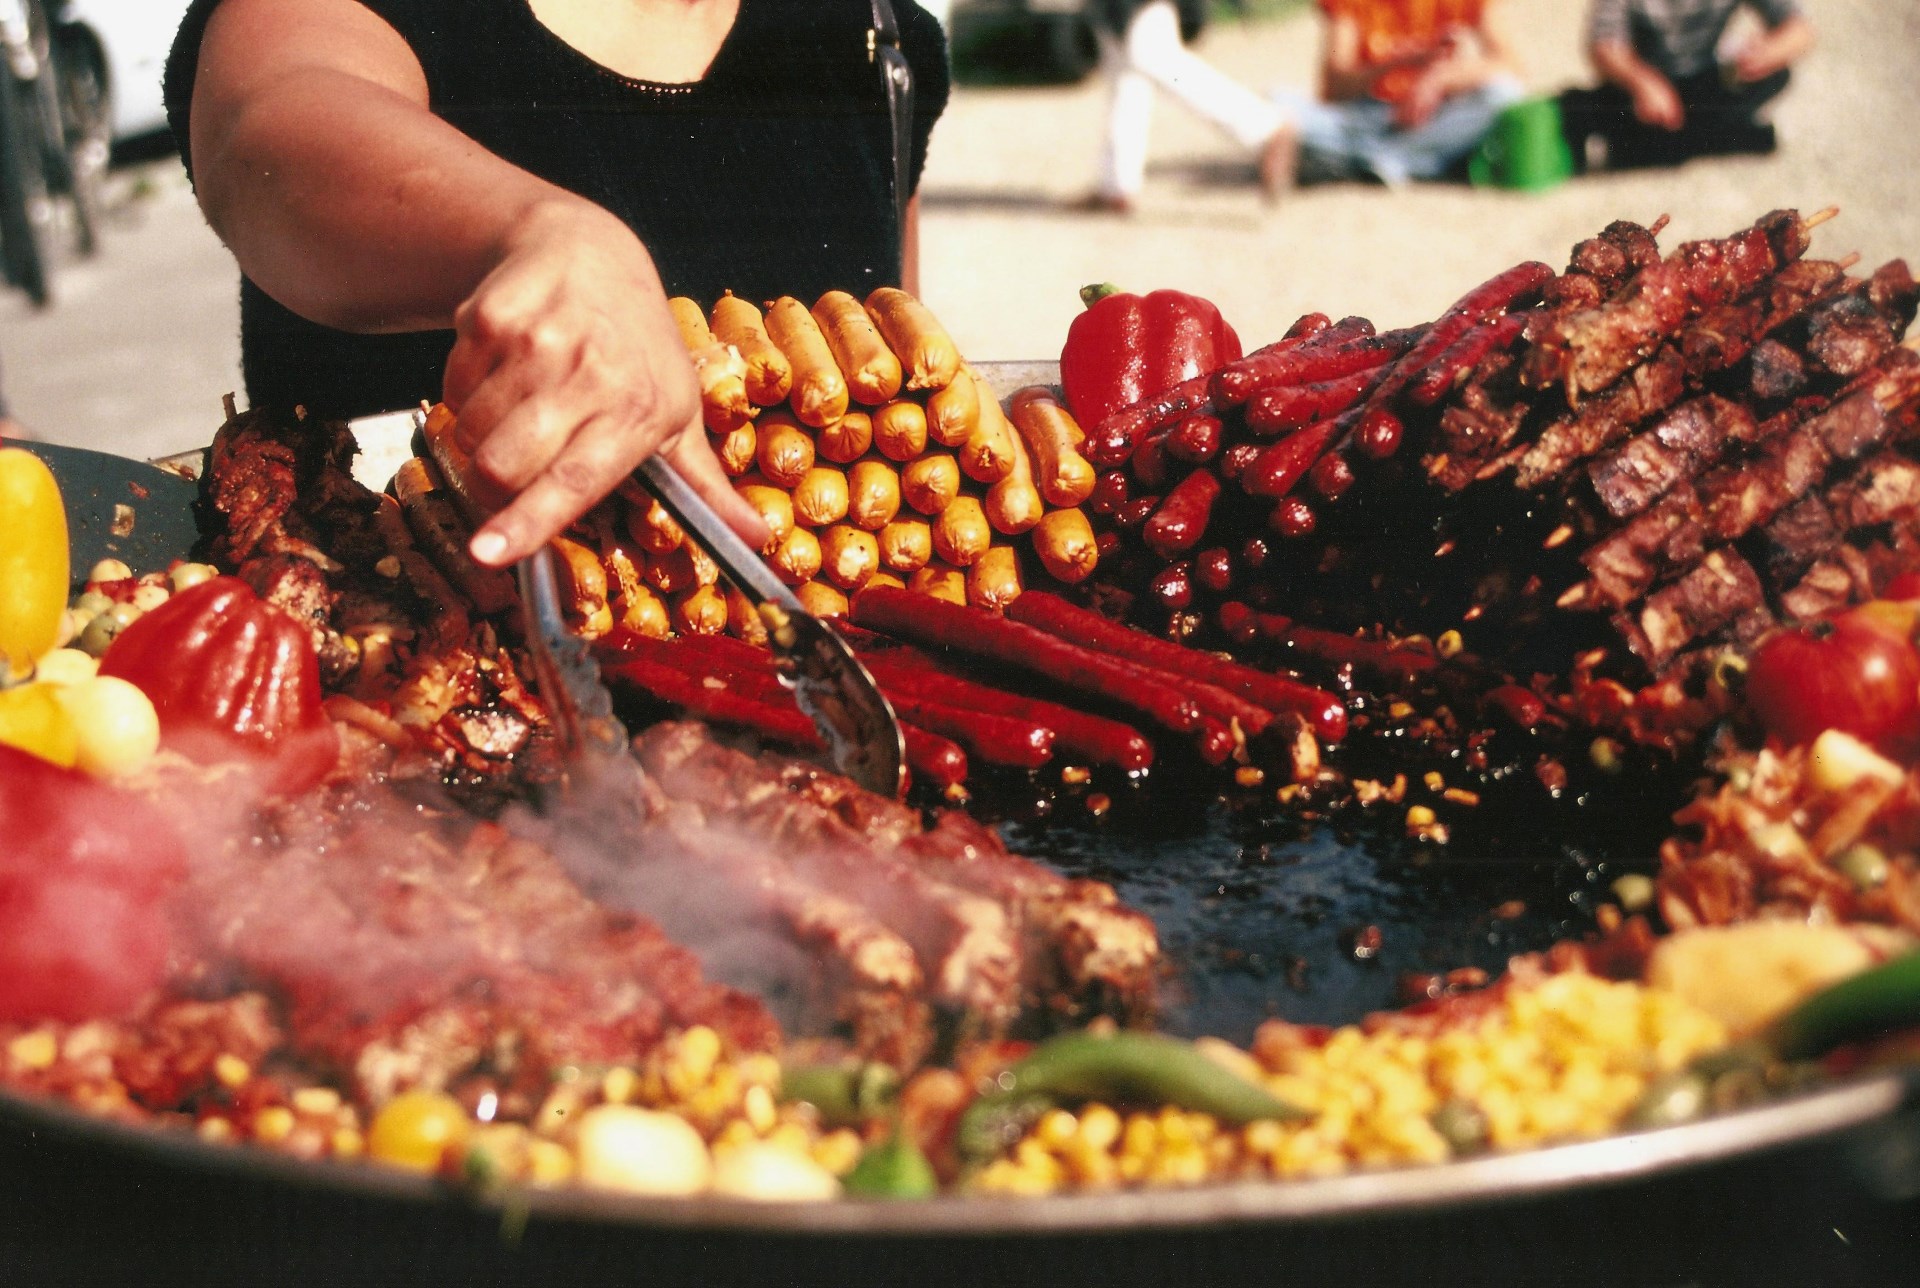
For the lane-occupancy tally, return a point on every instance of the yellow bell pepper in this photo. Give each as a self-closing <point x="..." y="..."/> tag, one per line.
<point x="33" y="561"/>
<point x="33" y="718"/>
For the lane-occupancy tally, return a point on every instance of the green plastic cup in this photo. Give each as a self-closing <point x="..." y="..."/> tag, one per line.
<point x="1525" y="149"/>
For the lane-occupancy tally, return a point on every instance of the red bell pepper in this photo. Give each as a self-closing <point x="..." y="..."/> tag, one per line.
<point x="84" y="874"/>
<point x="232" y="678"/>
<point x="1128" y="347"/>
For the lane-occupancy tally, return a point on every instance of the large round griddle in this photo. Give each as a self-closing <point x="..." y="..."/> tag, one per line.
<point x="1243" y="893"/>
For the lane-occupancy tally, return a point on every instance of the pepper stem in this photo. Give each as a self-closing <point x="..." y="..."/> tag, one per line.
<point x="1092" y="293"/>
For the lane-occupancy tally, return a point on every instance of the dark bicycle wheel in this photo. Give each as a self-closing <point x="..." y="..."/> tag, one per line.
<point x="26" y="211"/>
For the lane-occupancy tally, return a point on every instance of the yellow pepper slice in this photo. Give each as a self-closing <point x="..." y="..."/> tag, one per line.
<point x="33" y="561"/>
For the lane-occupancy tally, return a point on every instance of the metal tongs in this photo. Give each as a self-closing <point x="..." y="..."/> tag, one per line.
<point x="855" y="721"/>
<point x="829" y="683"/>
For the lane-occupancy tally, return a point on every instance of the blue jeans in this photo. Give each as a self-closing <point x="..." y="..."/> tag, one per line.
<point x="1358" y="139"/>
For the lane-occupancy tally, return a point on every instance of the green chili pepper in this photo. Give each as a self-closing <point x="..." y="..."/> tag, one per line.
<point x="845" y="1094"/>
<point x="893" y="1169"/>
<point x="1867" y="1005"/>
<point x="1130" y="1068"/>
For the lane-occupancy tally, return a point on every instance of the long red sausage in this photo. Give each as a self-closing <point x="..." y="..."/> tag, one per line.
<point x="1323" y="711"/>
<point x="1112" y="441"/>
<point x="1087" y="739"/>
<point x="742" y="704"/>
<point x="976" y="632"/>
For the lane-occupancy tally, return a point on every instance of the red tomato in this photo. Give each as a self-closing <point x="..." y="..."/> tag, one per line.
<point x="1905" y="585"/>
<point x="84" y="874"/>
<point x="1853" y="673"/>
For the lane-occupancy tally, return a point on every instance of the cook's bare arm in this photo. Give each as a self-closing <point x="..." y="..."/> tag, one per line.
<point x="342" y="196"/>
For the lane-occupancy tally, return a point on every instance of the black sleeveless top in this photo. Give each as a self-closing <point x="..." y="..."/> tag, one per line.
<point x="770" y="176"/>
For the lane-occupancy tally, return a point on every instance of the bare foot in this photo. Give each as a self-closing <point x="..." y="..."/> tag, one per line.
<point x="1104" y="203"/>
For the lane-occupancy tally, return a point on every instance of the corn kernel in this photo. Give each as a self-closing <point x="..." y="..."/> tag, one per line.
<point x="1099" y="1127"/>
<point x="549" y="1162"/>
<point x="36" y="1050"/>
<point x="217" y="1130"/>
<point x="231" y="1072"/>
<point x="759" y="1109"/>
<point x="347" y="1142"/>
<point x="619" y="1085"/>
<point x="316" y="1102"/>
<point x="1056" y="1129"/>
<point x="837" y="1151"/>
<point x="790" y="1136"/>
<point x="698" y="1051"/>
<point x="273" y="1124"/>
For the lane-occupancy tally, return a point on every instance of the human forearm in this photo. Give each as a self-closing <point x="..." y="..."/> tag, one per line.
<point x="355" y="207"/>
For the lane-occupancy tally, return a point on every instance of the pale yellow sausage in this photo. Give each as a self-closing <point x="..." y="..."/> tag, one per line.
<point x="987" y="454"/>
<point x="820" y="599"/>
<point x="942" y="581"/>
<point x="769" y="375"/>
<point x="820" y="497"/>
<point x="819" y="392"/>
<point x="1064" y="541"/>
<point x="953" y="413"/>
<point x="930" y="483"/>
<point x="994" y="579"/>
<point x="961" y="533"/>
<point x="872" y="373"/>
<point x="906" y="544"/>
<point x="1013" y="504"/>
<point x="847" y="439"/>
<point x="873" y="494"/>
<point x="785" y="452"/>
<point x="700" y="611"/>
<point x="848" y="556"/>
<point x="900" y="430"/>
<point x="775" y="505"/>
<point x="1053" y="438"/>
<point x="916" y="337"/>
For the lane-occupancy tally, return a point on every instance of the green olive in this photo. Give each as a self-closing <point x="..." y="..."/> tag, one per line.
<point x="1462" y="1125"/>
<point x="1675" y="1098"/>
<point x="97" y="635"/>
<point x="1863" y="864"/>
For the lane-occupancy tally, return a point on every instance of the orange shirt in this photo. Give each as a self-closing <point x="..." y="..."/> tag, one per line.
<point x="1391" y="29"/>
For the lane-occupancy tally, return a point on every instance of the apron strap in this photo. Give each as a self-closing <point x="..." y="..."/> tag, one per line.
<point x="883" y="47"/>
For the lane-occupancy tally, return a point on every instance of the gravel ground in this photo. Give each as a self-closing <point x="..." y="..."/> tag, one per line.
<point x="142" y="343"/>
<point x="1005" y="256"/>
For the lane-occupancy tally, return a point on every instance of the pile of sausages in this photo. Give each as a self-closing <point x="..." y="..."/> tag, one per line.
<point x="1199" y="484"/>
<point x="877" y="456"/>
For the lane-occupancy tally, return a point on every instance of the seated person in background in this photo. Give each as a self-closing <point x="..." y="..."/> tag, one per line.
<point x="1407" y="89"/>
<point x="1667" y="95"/>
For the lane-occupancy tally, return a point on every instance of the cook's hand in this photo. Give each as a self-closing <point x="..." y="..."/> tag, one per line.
<point x="1657" y="103"/>
<point x="567" y="371"/>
